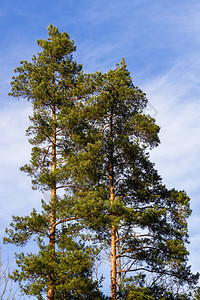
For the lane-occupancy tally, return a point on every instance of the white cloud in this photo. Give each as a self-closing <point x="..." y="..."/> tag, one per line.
<point x="15" y="188"/>
<point x="178" y="108"/>
<point x="176" y="97"/>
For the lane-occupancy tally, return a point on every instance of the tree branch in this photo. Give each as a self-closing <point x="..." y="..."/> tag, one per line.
<point x="150" y="271"/>
<point x="66" y="220"/>
<point x="128" y="250"/>
<point x="139" y="235"/>
<point x="69" y="186"/>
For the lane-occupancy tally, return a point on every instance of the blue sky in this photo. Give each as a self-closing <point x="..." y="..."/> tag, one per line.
<point x="160" y="41"/>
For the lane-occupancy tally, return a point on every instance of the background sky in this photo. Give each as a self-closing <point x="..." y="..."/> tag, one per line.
<point x="160" y="41"/>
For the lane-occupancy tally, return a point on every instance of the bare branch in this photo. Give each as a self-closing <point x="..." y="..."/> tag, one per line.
<point x="45" y="155"/>
<point x="163" y="272"/>
<point x="6" y="287"/>
<point x="138" y="235"/>
<point x="136" y="249"/>
<point x="68" y="186"/>
<point x="66" y="220"/>
<point x="119" y="181"/>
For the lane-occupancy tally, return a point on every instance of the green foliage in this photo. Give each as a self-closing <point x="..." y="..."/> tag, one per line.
<point x="150" y="220"/>
<point x="71" y="269"/>
<point x="90" y="136"/>
<point x="49" y="82"/>
<point x="135" y="288"/>
<point x="64" y="262"/>
<point x="73" y="264"/>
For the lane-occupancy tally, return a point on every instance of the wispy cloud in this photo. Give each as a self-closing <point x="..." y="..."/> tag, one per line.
<point x="15" y="187"/>
<point x="175" y="95"/>
<point x="178" y="115"/>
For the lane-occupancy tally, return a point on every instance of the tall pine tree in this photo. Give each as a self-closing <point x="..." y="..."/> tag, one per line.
<point x="120" y="195"/>
<point x="90" y="136"/>
<point x="63" y="266"/>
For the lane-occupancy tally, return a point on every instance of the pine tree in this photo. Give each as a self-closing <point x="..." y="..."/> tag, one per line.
<point x="120" y="195"/>
<point x="63" y="266"/>
<point x="136" y="288"/>
<point x="90" y="137"/>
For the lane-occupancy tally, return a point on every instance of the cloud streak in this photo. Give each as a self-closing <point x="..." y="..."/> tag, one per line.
<point x="175" y="95"/>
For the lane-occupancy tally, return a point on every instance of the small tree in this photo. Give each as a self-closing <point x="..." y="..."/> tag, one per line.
<point x="120" y="195"/>
<point x="63" y="266"/>
<point x="6" y="285"/>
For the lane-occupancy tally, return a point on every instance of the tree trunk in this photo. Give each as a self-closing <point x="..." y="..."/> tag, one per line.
<point x="50" y="293"/>
<point x="119" y="266"/>
<point x="113" y="229"/>
<point x="113" y="263"/>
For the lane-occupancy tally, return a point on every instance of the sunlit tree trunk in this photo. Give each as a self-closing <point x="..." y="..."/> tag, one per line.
<point x="50" y="293"/>
<point x="113" y="229"/>
<point x="113" y="259"/>
<point x="119" y="266"/>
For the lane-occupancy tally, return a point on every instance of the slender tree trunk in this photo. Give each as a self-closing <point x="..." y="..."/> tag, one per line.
<point x="113" y="229"/>
<point x="113" y="263"/>
<point x="50" y="293"/>
<point x="119" y="266"/>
